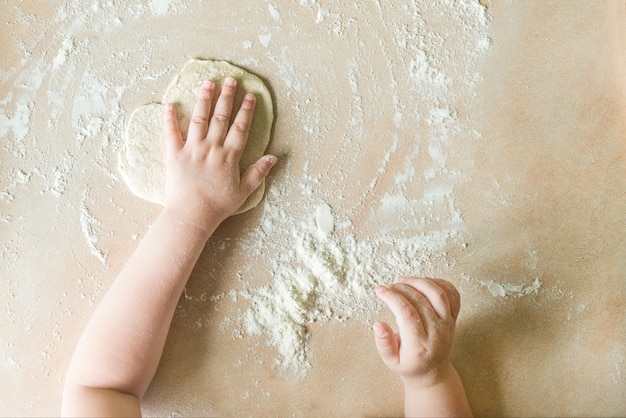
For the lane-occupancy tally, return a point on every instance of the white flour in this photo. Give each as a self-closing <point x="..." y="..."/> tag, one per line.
<point x="92" y="230"/>
<point x="325" y="273"/>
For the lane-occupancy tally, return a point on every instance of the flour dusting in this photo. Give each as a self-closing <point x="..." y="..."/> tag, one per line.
<point x="335" y="226"/>
<point x="92" y="230"/>
<point x="321" y="269"/>
<point x="333" y="243"/>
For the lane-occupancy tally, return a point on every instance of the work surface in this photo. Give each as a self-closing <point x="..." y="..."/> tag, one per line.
<point x="483" y="144"/>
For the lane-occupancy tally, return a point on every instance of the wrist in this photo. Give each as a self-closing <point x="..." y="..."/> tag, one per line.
<point x="201" y="227"/>
<point x="435" y="376"/>
<point x="444" y="396"/>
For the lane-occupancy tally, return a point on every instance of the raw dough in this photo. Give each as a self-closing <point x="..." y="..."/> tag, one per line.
<point x="142" y="158"/>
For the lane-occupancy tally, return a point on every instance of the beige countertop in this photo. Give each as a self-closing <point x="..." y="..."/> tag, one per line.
<point x="483" y="144"/>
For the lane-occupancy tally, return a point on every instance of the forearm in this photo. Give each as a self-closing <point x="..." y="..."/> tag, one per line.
<point x="122" y="344"/>
<point x="120" y="349"/>
<point x="447" y="398"/>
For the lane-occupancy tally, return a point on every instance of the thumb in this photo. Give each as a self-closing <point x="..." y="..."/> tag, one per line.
<point x="387" y="343"/>
<point x="171" y="131"/>
<point x="256" y="173"/>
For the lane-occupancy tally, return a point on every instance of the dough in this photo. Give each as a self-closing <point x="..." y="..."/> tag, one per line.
<point x="142" y="158"/>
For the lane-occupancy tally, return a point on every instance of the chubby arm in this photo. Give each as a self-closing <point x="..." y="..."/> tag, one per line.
<point x="119" y="350"/>
<point x="121" y="346"/>
<point x="426" y="312"/>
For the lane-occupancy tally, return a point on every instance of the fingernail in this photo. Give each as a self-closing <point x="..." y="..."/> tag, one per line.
<point x="271" y="160"/>
<point x="208" y="85"/>
<point x="230" y="81"/>
<point x="379" y="331"/>
<point x="250" y="97"/>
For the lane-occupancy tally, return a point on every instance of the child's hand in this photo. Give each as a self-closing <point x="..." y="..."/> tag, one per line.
<point x="426" y="312"/>
<point x="203" y="182"/>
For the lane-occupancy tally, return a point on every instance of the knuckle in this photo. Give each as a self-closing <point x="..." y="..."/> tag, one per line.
<point x="454" y="292"/>
<point x="420" y="352"/>
<point x="408" y="312"/>
<point x="242" y="126"/>
<point x="432" y="291"/>
<point x="200" y="119"/>
<point x="439" y="293"/>
<point x="228" y="91"/>
<point x="247" y="105"/>
<point x="220" y="118"/>
<point x="170" y="131"/>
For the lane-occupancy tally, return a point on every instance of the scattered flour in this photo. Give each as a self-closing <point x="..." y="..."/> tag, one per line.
<point x="160" y="7"/>
<point x="265" y="39"/>
<point x="274" y="12"/>
<point x="67" y="82"/>
<point x="320" y="269"/>
<point x="324" y="272"/>
<point x="64" y="52"/>
<point x="324" y="220"/>
<point x="10" y="363"/>
<point x="515" y="290"/>
<point x="92" y="230"/>
<point x="618" y="372"/>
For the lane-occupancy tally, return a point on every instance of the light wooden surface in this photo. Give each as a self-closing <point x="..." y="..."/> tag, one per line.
<point x="533" y="181"/>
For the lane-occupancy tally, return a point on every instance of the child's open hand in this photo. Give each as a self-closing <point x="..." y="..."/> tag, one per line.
<point x="426" y="312"/>
<point x="203" y="182"/>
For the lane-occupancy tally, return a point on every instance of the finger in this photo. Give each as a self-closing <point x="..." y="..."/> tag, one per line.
<point x="410" y="323"/>
<point x="435" y="295"/>
<point x="171" y="132"/>
<point x="218" y="126"/>
<point x="238" y="133"/>
<point x="254" y="175"/>
<point x="199" y="125"/>
<point x="387" y="342"/>
<point x="420" y="303"/>
<point x="453" y="296"/>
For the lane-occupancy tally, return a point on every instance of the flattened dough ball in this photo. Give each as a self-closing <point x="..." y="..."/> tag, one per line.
<point x="142" y="158"/>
